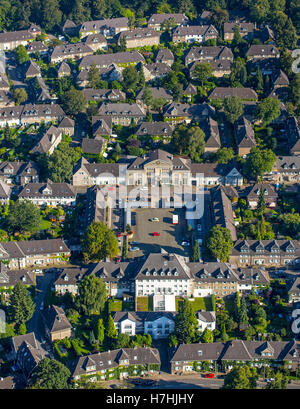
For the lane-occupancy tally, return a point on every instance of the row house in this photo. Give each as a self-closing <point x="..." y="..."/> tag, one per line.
<point x="190" y="357"/>
<point x="69" y="28"/>
<point x="19" y="173"/>
<point x="12" y="39"/>
<point x="286" y="170"/>
<point x="96" y="42"/>
<point x="68" y="279"/>
<point x="156" y="130"/>
<point x="294" y="291"/>
<point x="31" y="253"/>
<point x="265" y="252"/>
<point x="140" y="37"/>
<point x="262" y="52"/>
<point x="5" y="193"/>
<point x="123" y="113"/>
<point x="154" y="71"/>
<point x="293" y="135"/>
<point x="108" y="27"/>
<point x="72" y="51"/>
<point x="244" y="136"/>
<point x="220" y="59"/>
<point x="212" y="136"/>
<point x="175" y="113"/>
<point x="63" y="69"/>
<point x="104" y="364"/>
<point x="121" y="59"/>
<point x="49" y="194"/>
<point x="37" y="47"/>
<point x="157" y="93"/>
<point x="192" y="34"/>
<point x="9" y="278"/>
<point x="157" y="20"/>
<point x="246" y="30"/>
<point x="210" y="174"/>
<point x="225" y="92"/>
<point x="100" y="95"/>
<point x="221" y="209"/>
<point x="270" y="195"/>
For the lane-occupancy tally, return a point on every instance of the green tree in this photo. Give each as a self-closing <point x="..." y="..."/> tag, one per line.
<point x="23" y="217"/>
<point x="280" y="382"/>
<point x="51" y="14"/>
<point x="233" y="108"/>
<point x="21" y="304"/>
<point x="111" y="331"/>
<point x="258" y="162"/>
<point x="224" y="155"/>
<point x="100" y="331"/>
<point x="20" y="95"/>
<point x="99" y="242"/>
<point x="92" y="294"/>
<point x="93" y="76"/>
<point x="268" y="110"/>
<point x="261" y="204"/>
<point x="202" y="72"/>
<point x="130" y="78"/>
<point x="219" y="17"/>
<point x="219" y="243"/>
<point x="122" y="341"/>
<point x="259" y="10"/>
<point x="207" y="336"/>
<point x="50" y="374"/>
<point x="243" y="316"/>
<point x="241" y="377"/>
<point x="185" y="323"/>
<point x="21" y="54"/>
<point x="195" y="257"/>
<point x="74" y="101"/>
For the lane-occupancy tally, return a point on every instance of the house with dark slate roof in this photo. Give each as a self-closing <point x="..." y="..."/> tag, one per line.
<point x="264" y="51"/>
<point x="175" y="113"/>
<point x="242" y="93"/>
<point x="155" y="70"/>
<point x="244" y="136"/>
<point x="63" y="69"/>
<point x="161" y="130"/>
<point x="99" y="95"/>
<point x="49" y="141"/>
<point x="9" y="278"/>
<point x="123" y="113"/>
<point x="157" y="92"/>
<point x="139" y="37"/>
<point x="108" y="27"/>
<point x="286" y="170"/>
<point x="73" y="50"/>
<point x="49" y="194"/>
<point x="156" y="20"/>
<point x="265" y="252"/>
<point x="270" y="195"/>
<point x="222" y="213"/>
<point x="56" y="324"/>
<point x="246" y="30"/>
<point x="126" y="360"/>
<point x="93" y="146"/>
<point x="121" y="59"/>
<point x="164" y="56"/>
<point x="96" y="42"/>
<point x="19" y="172"/>
<point x="191" y="34"/>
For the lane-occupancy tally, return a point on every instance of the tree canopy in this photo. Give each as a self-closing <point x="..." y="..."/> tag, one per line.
<point x="50" y="374"/>
<point x="92" y="294"/>
<point x="219" y="243"/>
<point x="99" y="242"/>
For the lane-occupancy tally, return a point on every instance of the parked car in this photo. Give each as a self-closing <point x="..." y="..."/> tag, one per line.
<point x="154" y="219"/>
<point x="134" y="249"/>
<point x="209" y="375"/>
<point x="118" y="259"/>
<point x="185" y="243"/>
<point x="156" y="233"/>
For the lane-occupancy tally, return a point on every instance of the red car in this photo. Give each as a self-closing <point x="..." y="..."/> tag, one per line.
<point x="118" y="259"/>
<point x="119" y="234"/>
<point x="156" y="233"/>
<point x="209" y="375"/>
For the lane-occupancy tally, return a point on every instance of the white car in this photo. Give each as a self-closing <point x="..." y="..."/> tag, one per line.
<point x="134" y="249"/>
<point x="185" y="243"/>
<point x="154" y="219"/>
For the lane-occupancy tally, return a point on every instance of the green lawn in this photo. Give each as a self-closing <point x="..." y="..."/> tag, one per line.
<point x="45" y="224"/>
<point x="198" y="303"/>
<point x="144" y="304"/>
<point x="116" y="305"/>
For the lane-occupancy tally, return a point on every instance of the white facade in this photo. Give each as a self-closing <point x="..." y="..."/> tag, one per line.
<point x="177" y="287"/>
<point x="160" y="328"/>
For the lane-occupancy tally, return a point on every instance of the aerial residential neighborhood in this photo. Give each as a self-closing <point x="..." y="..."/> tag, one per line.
<point x="149" y="194"/>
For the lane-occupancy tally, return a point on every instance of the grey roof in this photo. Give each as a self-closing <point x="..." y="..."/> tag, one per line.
<point x="96" y="169"/>
<point x="157" y="92"/>
<point x="32" y="69"/>
<point x="112" y="359"/>
<point x="5" y="190"/>
<point x="70" y="276"/>
<point x="95" y="39"/>
<point x="295" y="286"/>
<point x="20" y="249"/>
<point x="66" y="122"/>
<point x="105" y="60"/>
<point x="4" y="82"/>
<point x="205" y="30"/>
<point x="144" y="32"/>
<point x="12" y="36"/>
<point x="122" y="109"/>
<point x="268" y="189"/>
<point x="188" y="110"/>
<point x="19" y="339"/>
<point x="119" y="22"/>
<point x="55" y="319"/>
<point x="163" y="55"/>
<point x="287" y="164"/>
<point x="285" y="247"/>
<point x="48" y="140"/>
<point x="222" y="210"/>
<point x="244" y="133"/>
<point x="190" y="90"/>
<point x="101" y="125"/>
<point x="9" y="278"/>
<point x="94" y="146"/>
<point x="244" y="27"/>
<point x="63" y="68"/>
<point x="36" y="46"/>
<point x="163" y="267"/>
<point x="176" y="162"/>
<point x="208" y="53"/>
<point x="155" y="128"/>
<point x="161" y="18"/>
<point x="104" y="94"/>
<point x="69" y="50"/>
<point x="197" y="352"/>
<point x="211" y="130"/>
<point x="262" y="50"/>
<point x="47" y="190"/>
<point x="114" y="271"/>
<point x="157" y="69"/>
<point x="243" y="93"/>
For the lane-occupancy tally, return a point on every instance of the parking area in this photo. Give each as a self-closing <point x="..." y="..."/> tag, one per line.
<point x="152" y="236"/>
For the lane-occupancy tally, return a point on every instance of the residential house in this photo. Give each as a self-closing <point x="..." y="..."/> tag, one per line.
<point x="222" y="213"/>
<point x="73" y="51"/>
<point x="35" y="113"/>
<point x="49" y="194"/>
<point x="4" y="82"/>
<point x="37" y="47"/>
<point x="264" y="51"/>
<point x="270" y="195"/>
<point x="246" y="30"/>
<point x="123" y="113"/>
<point x="12" y="39"/>
<point x="66" y="125"/>
<point x="9" y="278"/>
<point x="139" y="37"/>
<point x="68" y="279"/>
<point x="157" y="20"/>
<point x="108" y="27"/>
<point x="293" y="135"/>
<point x="121" y="59"/>
<point x="175" y="113"/>
<point x="5" y="193"/>
<point x="164" y="56"/>
<point x="27" y="352"/>
<point x="106" y="364"/>
<point x="63" y="69"/>
<point x="156" y="130"/>
<point x="111" y="95"/>
<point x="69" y="28"/>
<point x="156" y="70"/>
<point x="56" y="324"/>
<point x="192" y="34"/>
<point x="244" y="136"/>
<point x="93" y="146"/>
<point x="294" y="291"/>
<point x="19" y="172"/>
<point x="96" y="42"/>
<point x="190" y="92"/>
<point x="265" y="252"/>
<point x="101" y="126"/>
<point x="31" y="253"/>
<point x="286" y="170"/>
<point x="242" y="93"/>
<point x="280" y="86"/>
<point x="31" y="69"/>
<point x="157" y="93"/>
<point x="212" y="135"/>
<point x="40" y="92"/>
<point x="49" y="141"/>
<point x="220" y="58"/>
